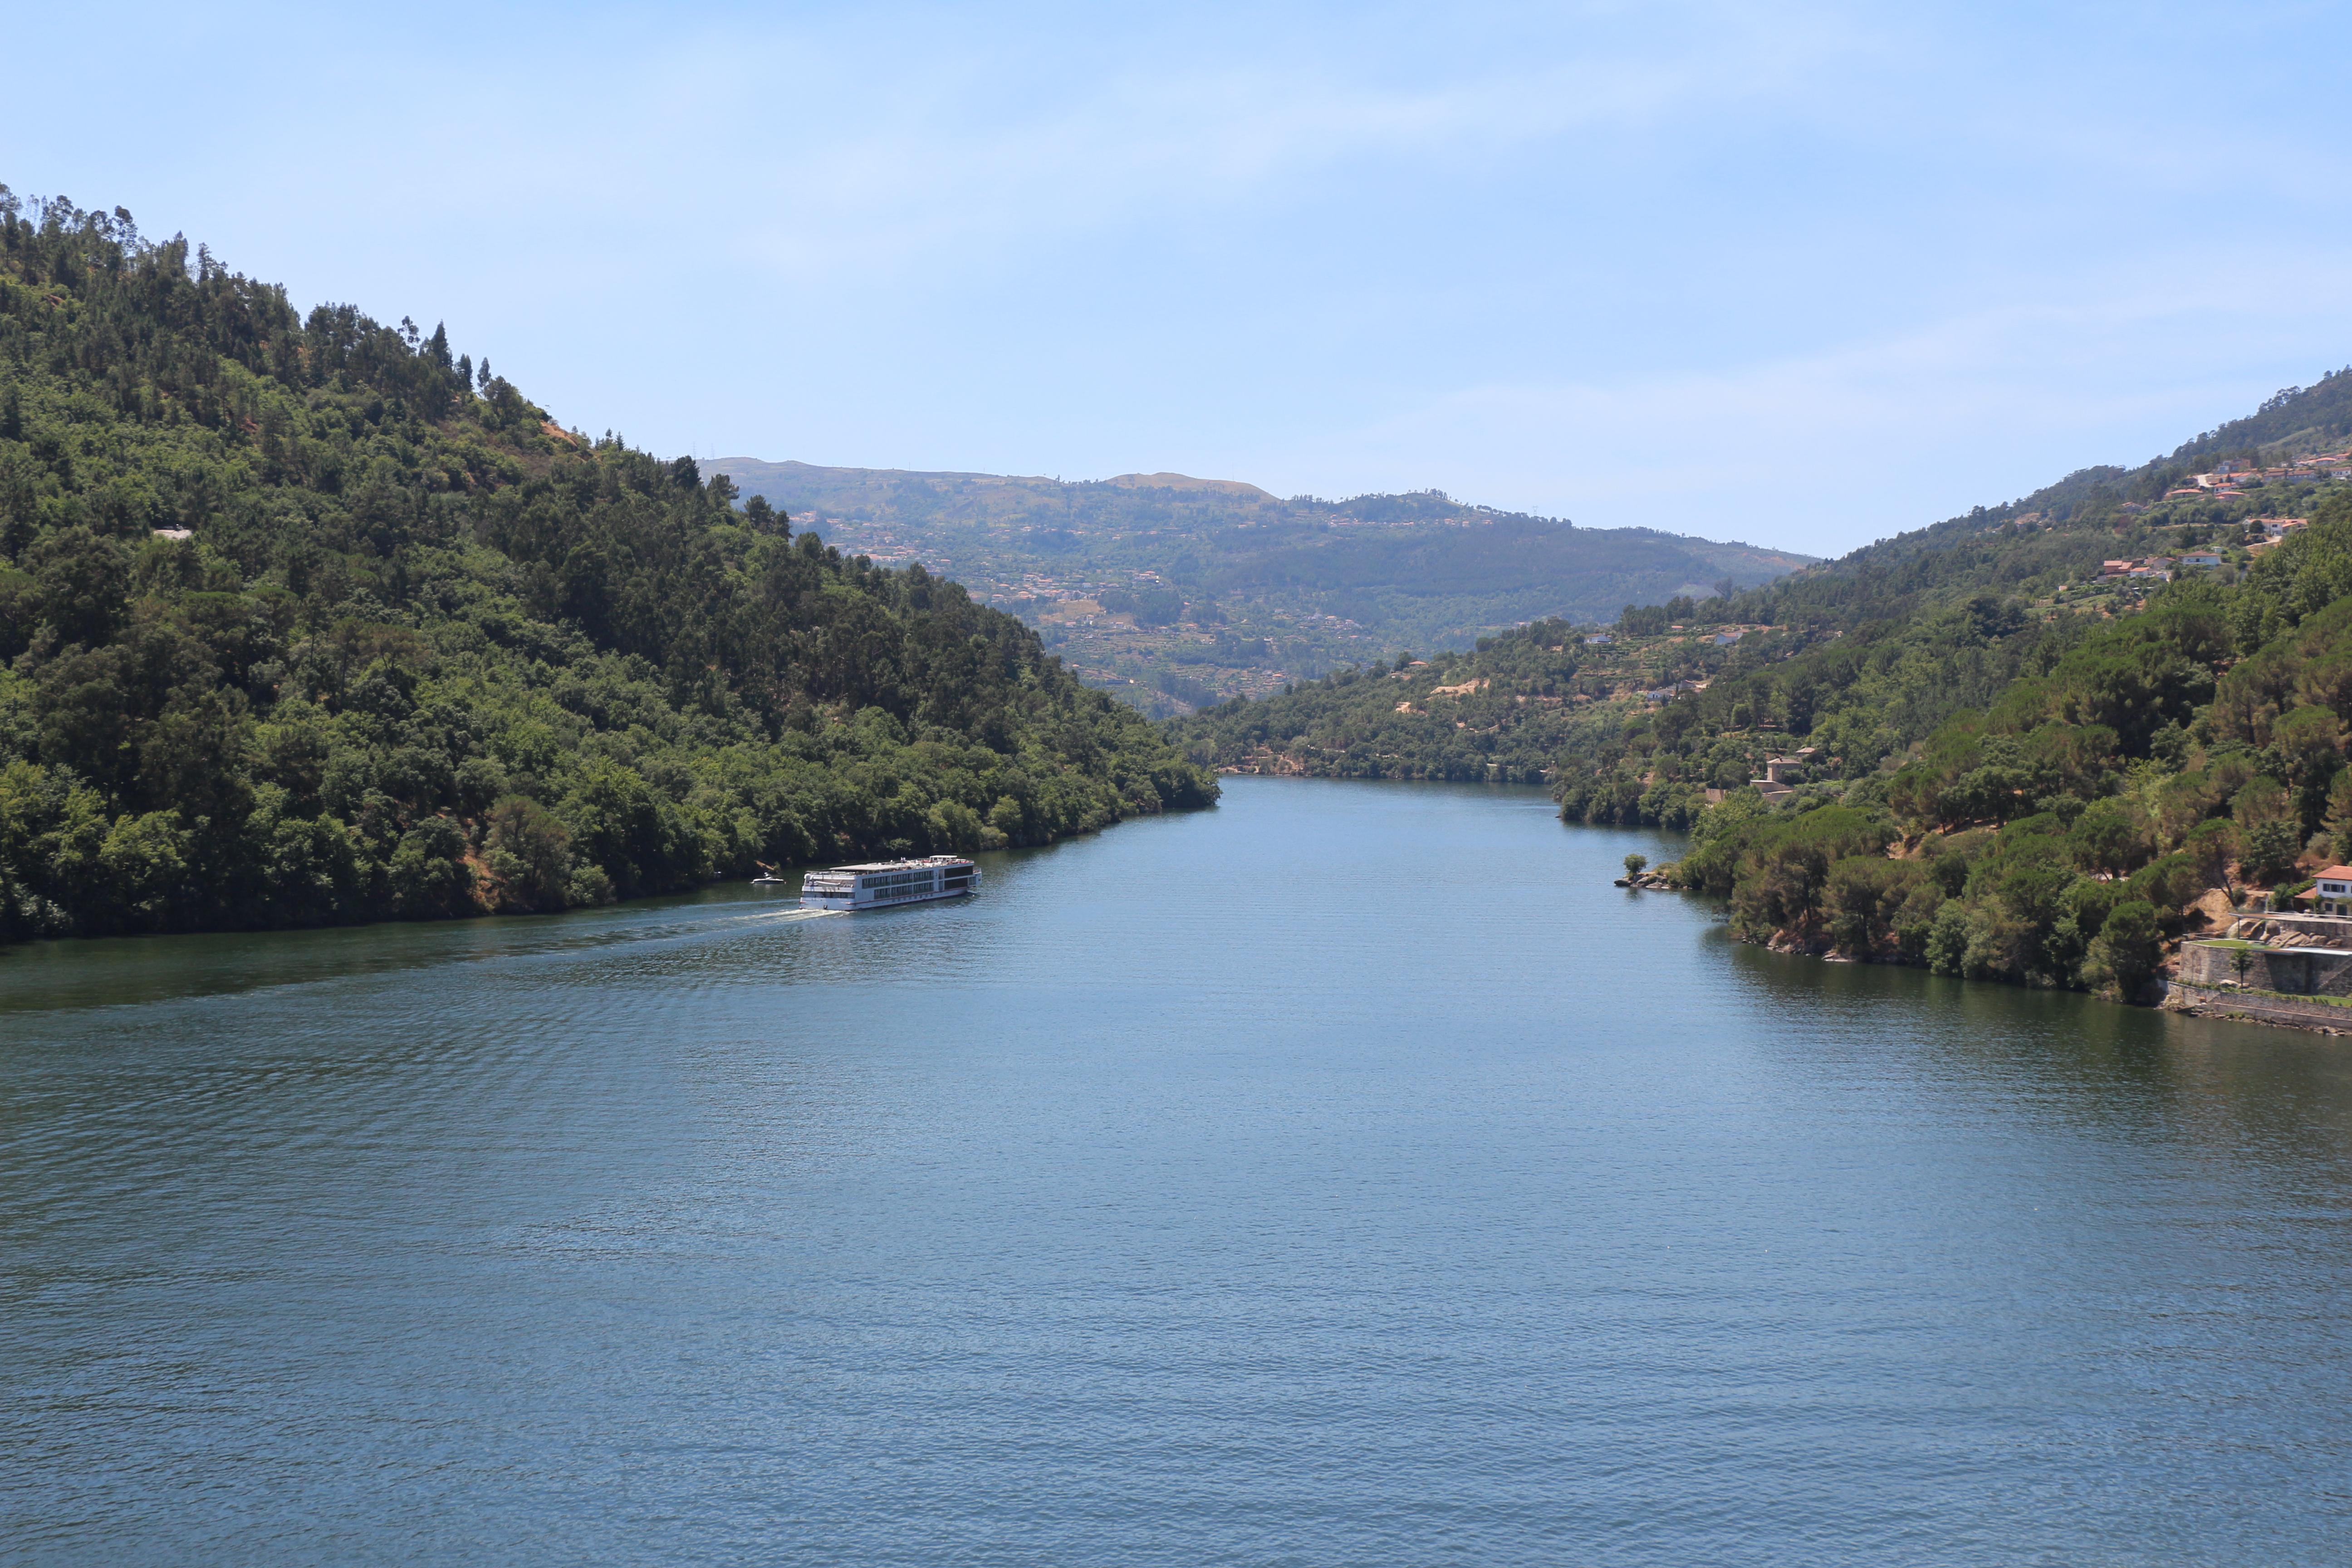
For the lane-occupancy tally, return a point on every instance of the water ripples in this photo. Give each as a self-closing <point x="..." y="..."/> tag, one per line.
<point x="1346" y="1175"/>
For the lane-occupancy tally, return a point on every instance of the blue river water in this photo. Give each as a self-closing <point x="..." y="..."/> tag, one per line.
<point x="1348" y="1174"/>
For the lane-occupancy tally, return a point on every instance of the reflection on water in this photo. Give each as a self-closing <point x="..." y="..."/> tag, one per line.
<point x="1344" y="1175"/>
<point x="2223" y="1086"/>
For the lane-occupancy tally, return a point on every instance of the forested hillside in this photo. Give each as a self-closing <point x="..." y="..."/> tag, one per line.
<point x="1869" y="655"/>
<point x="2031" y="737"/>
<point x="1184" y="592"/>
<point x="1507" y="712"/>
<point x="311" y="619"/>
<point x="2057" y="832"/>
<point x="1408" y="721"/>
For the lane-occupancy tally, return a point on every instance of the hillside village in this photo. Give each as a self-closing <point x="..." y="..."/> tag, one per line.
<point x="2230" y="479"/>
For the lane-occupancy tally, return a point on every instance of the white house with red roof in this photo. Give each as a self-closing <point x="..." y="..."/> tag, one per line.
<point x="2331" y="893"/>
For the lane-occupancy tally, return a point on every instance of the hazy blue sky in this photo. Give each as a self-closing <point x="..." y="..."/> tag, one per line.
<point x="1800" y="274"/>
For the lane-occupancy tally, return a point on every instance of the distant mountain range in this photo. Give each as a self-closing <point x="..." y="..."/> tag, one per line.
<point x="1181" y="590"/>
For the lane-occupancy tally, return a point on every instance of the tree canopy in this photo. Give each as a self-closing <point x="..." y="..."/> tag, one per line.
<point x="306" y="618"/>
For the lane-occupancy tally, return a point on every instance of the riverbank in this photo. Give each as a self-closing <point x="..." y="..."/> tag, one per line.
<point x="2283" y="991"/>
<point x="2272" y="1007"/>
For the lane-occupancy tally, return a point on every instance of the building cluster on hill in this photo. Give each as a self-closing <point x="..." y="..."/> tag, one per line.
<point x="2276" y="530"/>
<point x="2230" y="477"/>
<point x="2152" y="570"/>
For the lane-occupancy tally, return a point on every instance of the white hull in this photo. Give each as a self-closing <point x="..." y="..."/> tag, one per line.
<point x="808" y="902"/>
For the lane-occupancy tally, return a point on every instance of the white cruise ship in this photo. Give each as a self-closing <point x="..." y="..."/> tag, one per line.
<point x="887" y="882"/>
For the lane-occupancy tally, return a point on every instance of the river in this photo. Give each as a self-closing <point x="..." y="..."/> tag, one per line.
<point x="1348" y="1174"/>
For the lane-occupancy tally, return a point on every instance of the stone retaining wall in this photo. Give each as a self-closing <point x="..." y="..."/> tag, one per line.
<point x="2285" y="1010"/>
<point x="2309" y="972"/>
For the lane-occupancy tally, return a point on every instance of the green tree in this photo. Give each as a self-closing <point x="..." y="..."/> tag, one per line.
<point x="2339" y="815"/>
<point x="2270" y="850"/>
<point x="80" y="584"/>
<point x="618" y="821"/>
<point x="428" y="877"/>
<point x="529" y="854"/>
<point x="2110" y="836"/>
<point x="2123" y="958"/>
<point x="144" y="862"/>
